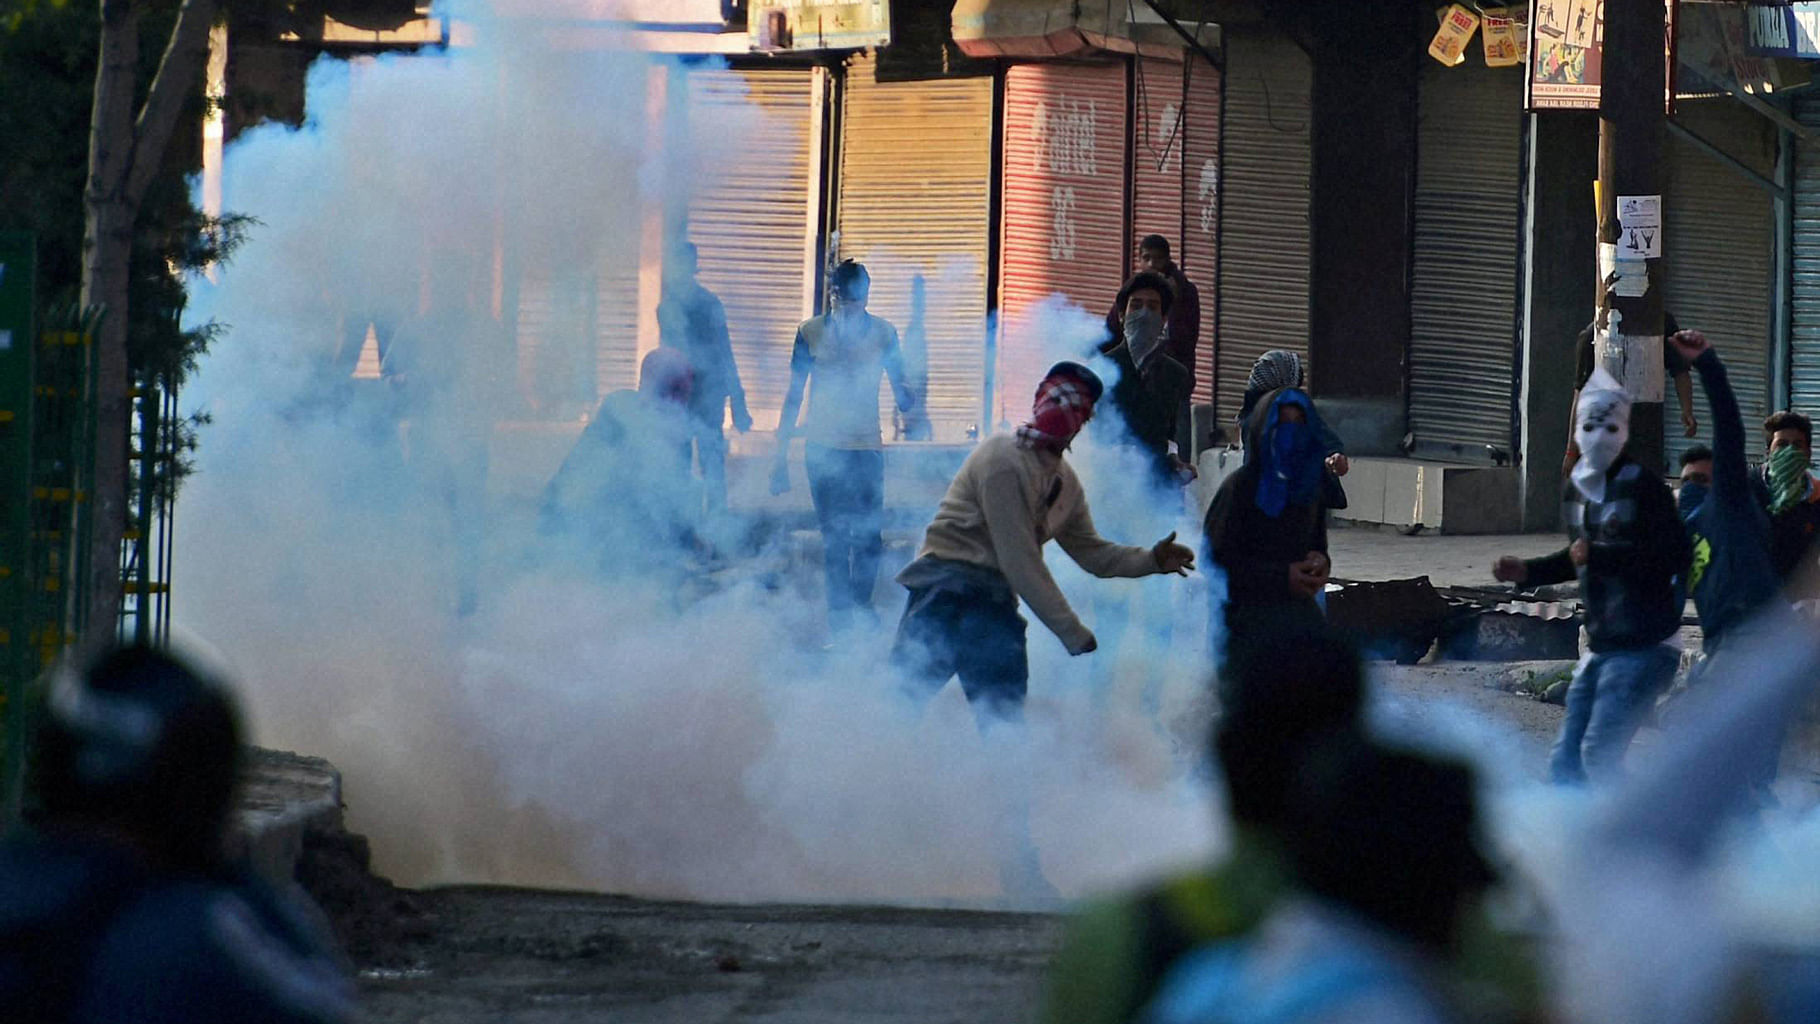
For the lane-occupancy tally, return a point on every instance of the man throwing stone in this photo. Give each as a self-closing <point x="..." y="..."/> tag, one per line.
<point x="984" y="551"/>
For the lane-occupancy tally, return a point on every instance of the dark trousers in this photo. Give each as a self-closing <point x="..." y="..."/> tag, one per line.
<point x="711" y="456"/>
<point x="848" y="489"/>
<point x="980" y="637"/>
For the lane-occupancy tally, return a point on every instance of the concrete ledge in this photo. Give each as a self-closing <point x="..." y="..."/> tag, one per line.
<point x="1406" y="493"/>
<point x="282" y="797"/>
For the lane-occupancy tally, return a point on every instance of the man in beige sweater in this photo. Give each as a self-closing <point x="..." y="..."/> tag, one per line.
<point x="984" y="551"/>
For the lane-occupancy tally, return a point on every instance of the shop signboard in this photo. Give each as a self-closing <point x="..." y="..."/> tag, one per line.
<point x="1785" y="30"/>
<point x="808" y="25"/>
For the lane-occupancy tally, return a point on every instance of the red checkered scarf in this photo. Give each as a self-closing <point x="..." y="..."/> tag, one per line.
<point x="1062" y="407"/>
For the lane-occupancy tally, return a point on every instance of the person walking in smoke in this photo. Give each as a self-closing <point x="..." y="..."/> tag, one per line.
<point x="1267" y="529"/>
<point x="983" y="551"/>
<point x="1628" y="548"/>
<point x="118" y="901"/>
<point x="839" y="357"/>
<point x="692" y="319"/>
<point x="623" y="503"/>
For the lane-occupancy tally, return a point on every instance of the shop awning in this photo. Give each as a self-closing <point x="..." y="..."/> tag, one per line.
<point x="1062" y="28"/>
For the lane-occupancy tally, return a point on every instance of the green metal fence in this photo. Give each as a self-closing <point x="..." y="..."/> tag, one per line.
<point x="47" y="403"/>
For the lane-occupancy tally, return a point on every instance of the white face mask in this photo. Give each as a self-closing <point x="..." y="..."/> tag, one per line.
<point x="1601" y="433"/>
<point x="1143" y="332"/>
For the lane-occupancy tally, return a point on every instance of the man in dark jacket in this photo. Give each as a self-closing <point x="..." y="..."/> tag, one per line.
<point x="118" y="903"/>
<point x="1152" y="388"/>
<point x="1267" y="529"/>
<point x="1789" y="492"/>
<point x="1628" y="547"/>
<point x="1730" y="575"/>
<point x="1182" y="323"/>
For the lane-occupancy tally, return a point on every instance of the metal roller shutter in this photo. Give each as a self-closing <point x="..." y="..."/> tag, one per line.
<point x="1156" y="151"/>
<point x="1064" y="216"/>
<point x="616" y="321"/>
<point x="1201" y="211"/>
<point x="753" y="218"/>
<point x="1468" y="236"/>
<point x="1804" y="361"/>
<point x="1264" y="231"/>
<point x="1718" y="241"/>
<point x="914" y="204"/>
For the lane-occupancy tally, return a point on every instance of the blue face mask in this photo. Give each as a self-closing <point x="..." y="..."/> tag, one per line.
<point x="1692" y="496"/>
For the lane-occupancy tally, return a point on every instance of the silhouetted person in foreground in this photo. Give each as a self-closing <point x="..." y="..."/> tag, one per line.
<point x="1384" y="867"/>
<point x="117" y="903"/>
<point x="984" y="551"/>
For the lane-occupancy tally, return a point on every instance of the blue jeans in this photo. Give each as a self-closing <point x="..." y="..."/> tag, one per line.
<point x="1610" y="696"/>
<point x="847" y="487"/>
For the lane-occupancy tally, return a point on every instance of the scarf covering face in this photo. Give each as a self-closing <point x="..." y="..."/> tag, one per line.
<point x="1787" y="468"/>
<point x="1143" y="335"/>
<point x="1275" y="369"/>
<point x="1601" y="428"/>
<point x="1289" y="456"/>
<point x="1063" y="404"/>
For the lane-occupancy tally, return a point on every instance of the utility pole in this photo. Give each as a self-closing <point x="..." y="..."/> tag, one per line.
<point x="1631" y="132"/>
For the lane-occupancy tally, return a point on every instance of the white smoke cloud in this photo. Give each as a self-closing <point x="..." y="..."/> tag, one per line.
<point x="362" y="550"/>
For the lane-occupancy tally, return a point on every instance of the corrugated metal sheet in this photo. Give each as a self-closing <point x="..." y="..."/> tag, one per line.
<point x="1468" y="242"/>
<point x="1719" y="243"/>
<point x="556" y="346"/>
<point x="914" y="205"/>
<point x="752" y="216"/>
<point x="1158" y="108"/>
<point x="1264" y="258"/>
<point x="616" y="320"/>
<point x="1201" y="212"/>
<point x="1064" y="216"/>
<point x="1804" y="362"/>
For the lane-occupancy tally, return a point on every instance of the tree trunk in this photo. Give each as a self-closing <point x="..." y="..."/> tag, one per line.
<point x="124" y="157"/>
<point x="107" y="246"/>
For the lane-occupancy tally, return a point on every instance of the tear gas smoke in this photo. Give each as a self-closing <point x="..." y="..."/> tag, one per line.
<point x="366" y="551"/>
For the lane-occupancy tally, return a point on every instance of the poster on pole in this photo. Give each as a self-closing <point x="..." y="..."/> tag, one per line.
<point x="1566" y="54"/>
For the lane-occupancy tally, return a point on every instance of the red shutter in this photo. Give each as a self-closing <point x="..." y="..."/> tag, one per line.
<point x="1201" y="211"/>
<point x="1064" y="215"/>
<point x="1156" y="152"/>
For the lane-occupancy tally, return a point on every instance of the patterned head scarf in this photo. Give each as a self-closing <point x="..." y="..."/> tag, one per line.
<point x="1275" y="369"/>
<point x="1064" y="402"/>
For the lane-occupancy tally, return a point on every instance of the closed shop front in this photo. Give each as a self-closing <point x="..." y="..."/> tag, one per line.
<point x="914" y="205"/>
<point x="1804" y="359"/>
<point x="1156" y="151"/>
<point x="753" y="218"/>
<point x="1264" y="226"/>
<point x="1064" y="218"/>
<point x="1197" y="251"/>
<point x="1466" y="260"/>
<point x="1719" y="243"/>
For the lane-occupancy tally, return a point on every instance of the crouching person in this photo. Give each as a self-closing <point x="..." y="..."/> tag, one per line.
<point x="984" y="551"/>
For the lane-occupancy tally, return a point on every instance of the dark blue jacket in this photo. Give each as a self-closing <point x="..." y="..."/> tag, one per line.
<point x="1730" y="576"/>
<point x="1629" y="592"/>
<point x="88" y="934"/>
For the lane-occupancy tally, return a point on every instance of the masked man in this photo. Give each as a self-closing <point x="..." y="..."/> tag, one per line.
<point x="1267" y="528"/>
<point x="845" y="351"/>
<point x="1628" y="547"/>
<point x="984" y="551"/>
<point x="1792" y="497"/>
<point x="1152" y="388"/>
